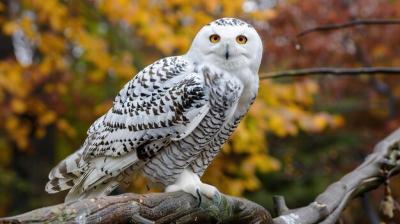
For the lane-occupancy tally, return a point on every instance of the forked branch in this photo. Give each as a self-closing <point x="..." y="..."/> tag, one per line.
<point x="381" y="164"/>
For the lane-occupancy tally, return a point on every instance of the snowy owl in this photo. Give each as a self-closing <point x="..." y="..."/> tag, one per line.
<point x="171" y="119"/>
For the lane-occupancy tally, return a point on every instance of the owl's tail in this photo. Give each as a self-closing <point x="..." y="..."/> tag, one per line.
<point x="87" y="181"/>
<point x="66" y="174"/>
<point x="71" y="173"/>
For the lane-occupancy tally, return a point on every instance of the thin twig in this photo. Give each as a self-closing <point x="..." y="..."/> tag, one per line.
<point x="331" y="71"/>
<point x="358" y="22"/>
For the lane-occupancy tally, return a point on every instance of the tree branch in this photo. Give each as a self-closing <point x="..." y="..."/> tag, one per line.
<point x="327" y="207"/>
<point x="331" y="71"/>
<point x="177" y="207"/>
<point x="183" y="208"/>
<point x="358" y="22"/>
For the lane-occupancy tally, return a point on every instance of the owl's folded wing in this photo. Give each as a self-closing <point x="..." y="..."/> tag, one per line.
<point x="163" y="110"/>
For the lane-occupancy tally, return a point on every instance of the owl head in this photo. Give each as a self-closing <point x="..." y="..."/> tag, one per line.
<point x="228" y="43"/>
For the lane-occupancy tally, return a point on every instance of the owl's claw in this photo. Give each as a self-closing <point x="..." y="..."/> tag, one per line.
<point x="211" y="192"/>
<point x="191" y="189"/>
<point x="199" y="197"/>
<point x="190" y="183"/>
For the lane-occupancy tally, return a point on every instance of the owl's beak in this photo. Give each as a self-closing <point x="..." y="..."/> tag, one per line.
<point x="227" y="52"/>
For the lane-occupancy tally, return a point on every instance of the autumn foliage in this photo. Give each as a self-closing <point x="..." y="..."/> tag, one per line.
<point x="62" y="62"/>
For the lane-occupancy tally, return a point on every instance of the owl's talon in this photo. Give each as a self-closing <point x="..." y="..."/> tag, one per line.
<point x="199" y="197"/>
<point x="189" y="182"/>
<point x="209" y="190"/>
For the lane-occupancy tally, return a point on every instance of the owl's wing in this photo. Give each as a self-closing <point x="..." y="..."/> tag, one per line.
<point x="164" y="102"/>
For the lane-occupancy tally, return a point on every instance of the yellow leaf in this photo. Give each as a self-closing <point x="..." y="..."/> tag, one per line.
<point x="47" y="118"/>
<point x="320" y="122"/>
<point x="64" y="126"/>
<point x="10" y="27"/>
<point x="18" y="106"/>
<point x="12" y="123"/>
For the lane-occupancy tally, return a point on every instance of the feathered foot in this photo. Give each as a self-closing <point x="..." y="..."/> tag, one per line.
<point x="190" y="183"/>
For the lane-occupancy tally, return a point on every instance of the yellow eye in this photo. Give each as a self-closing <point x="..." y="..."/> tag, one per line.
<point x="241" y="39"/>
<point x="215" y="38"/>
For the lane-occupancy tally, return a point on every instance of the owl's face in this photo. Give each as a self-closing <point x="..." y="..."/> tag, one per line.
<point x="228" y="43"/>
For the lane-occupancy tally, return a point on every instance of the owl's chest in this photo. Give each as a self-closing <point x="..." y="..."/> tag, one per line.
<point x="166" y="165"/>
<point x="250" y="83"/>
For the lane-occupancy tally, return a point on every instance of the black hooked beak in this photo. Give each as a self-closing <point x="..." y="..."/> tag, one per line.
<point x="227" y="52"/>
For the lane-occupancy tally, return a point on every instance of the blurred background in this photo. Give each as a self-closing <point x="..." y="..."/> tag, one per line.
<point x="63" y="61"/>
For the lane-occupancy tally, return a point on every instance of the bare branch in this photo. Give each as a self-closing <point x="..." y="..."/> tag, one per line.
<point x="358" y="22"/>
<point x="280" y="206"/>
<point x="327" y="207"/>
<point x="332" y="71"/>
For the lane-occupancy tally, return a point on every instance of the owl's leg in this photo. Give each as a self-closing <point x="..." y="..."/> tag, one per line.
<point x="190" y="182"/>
